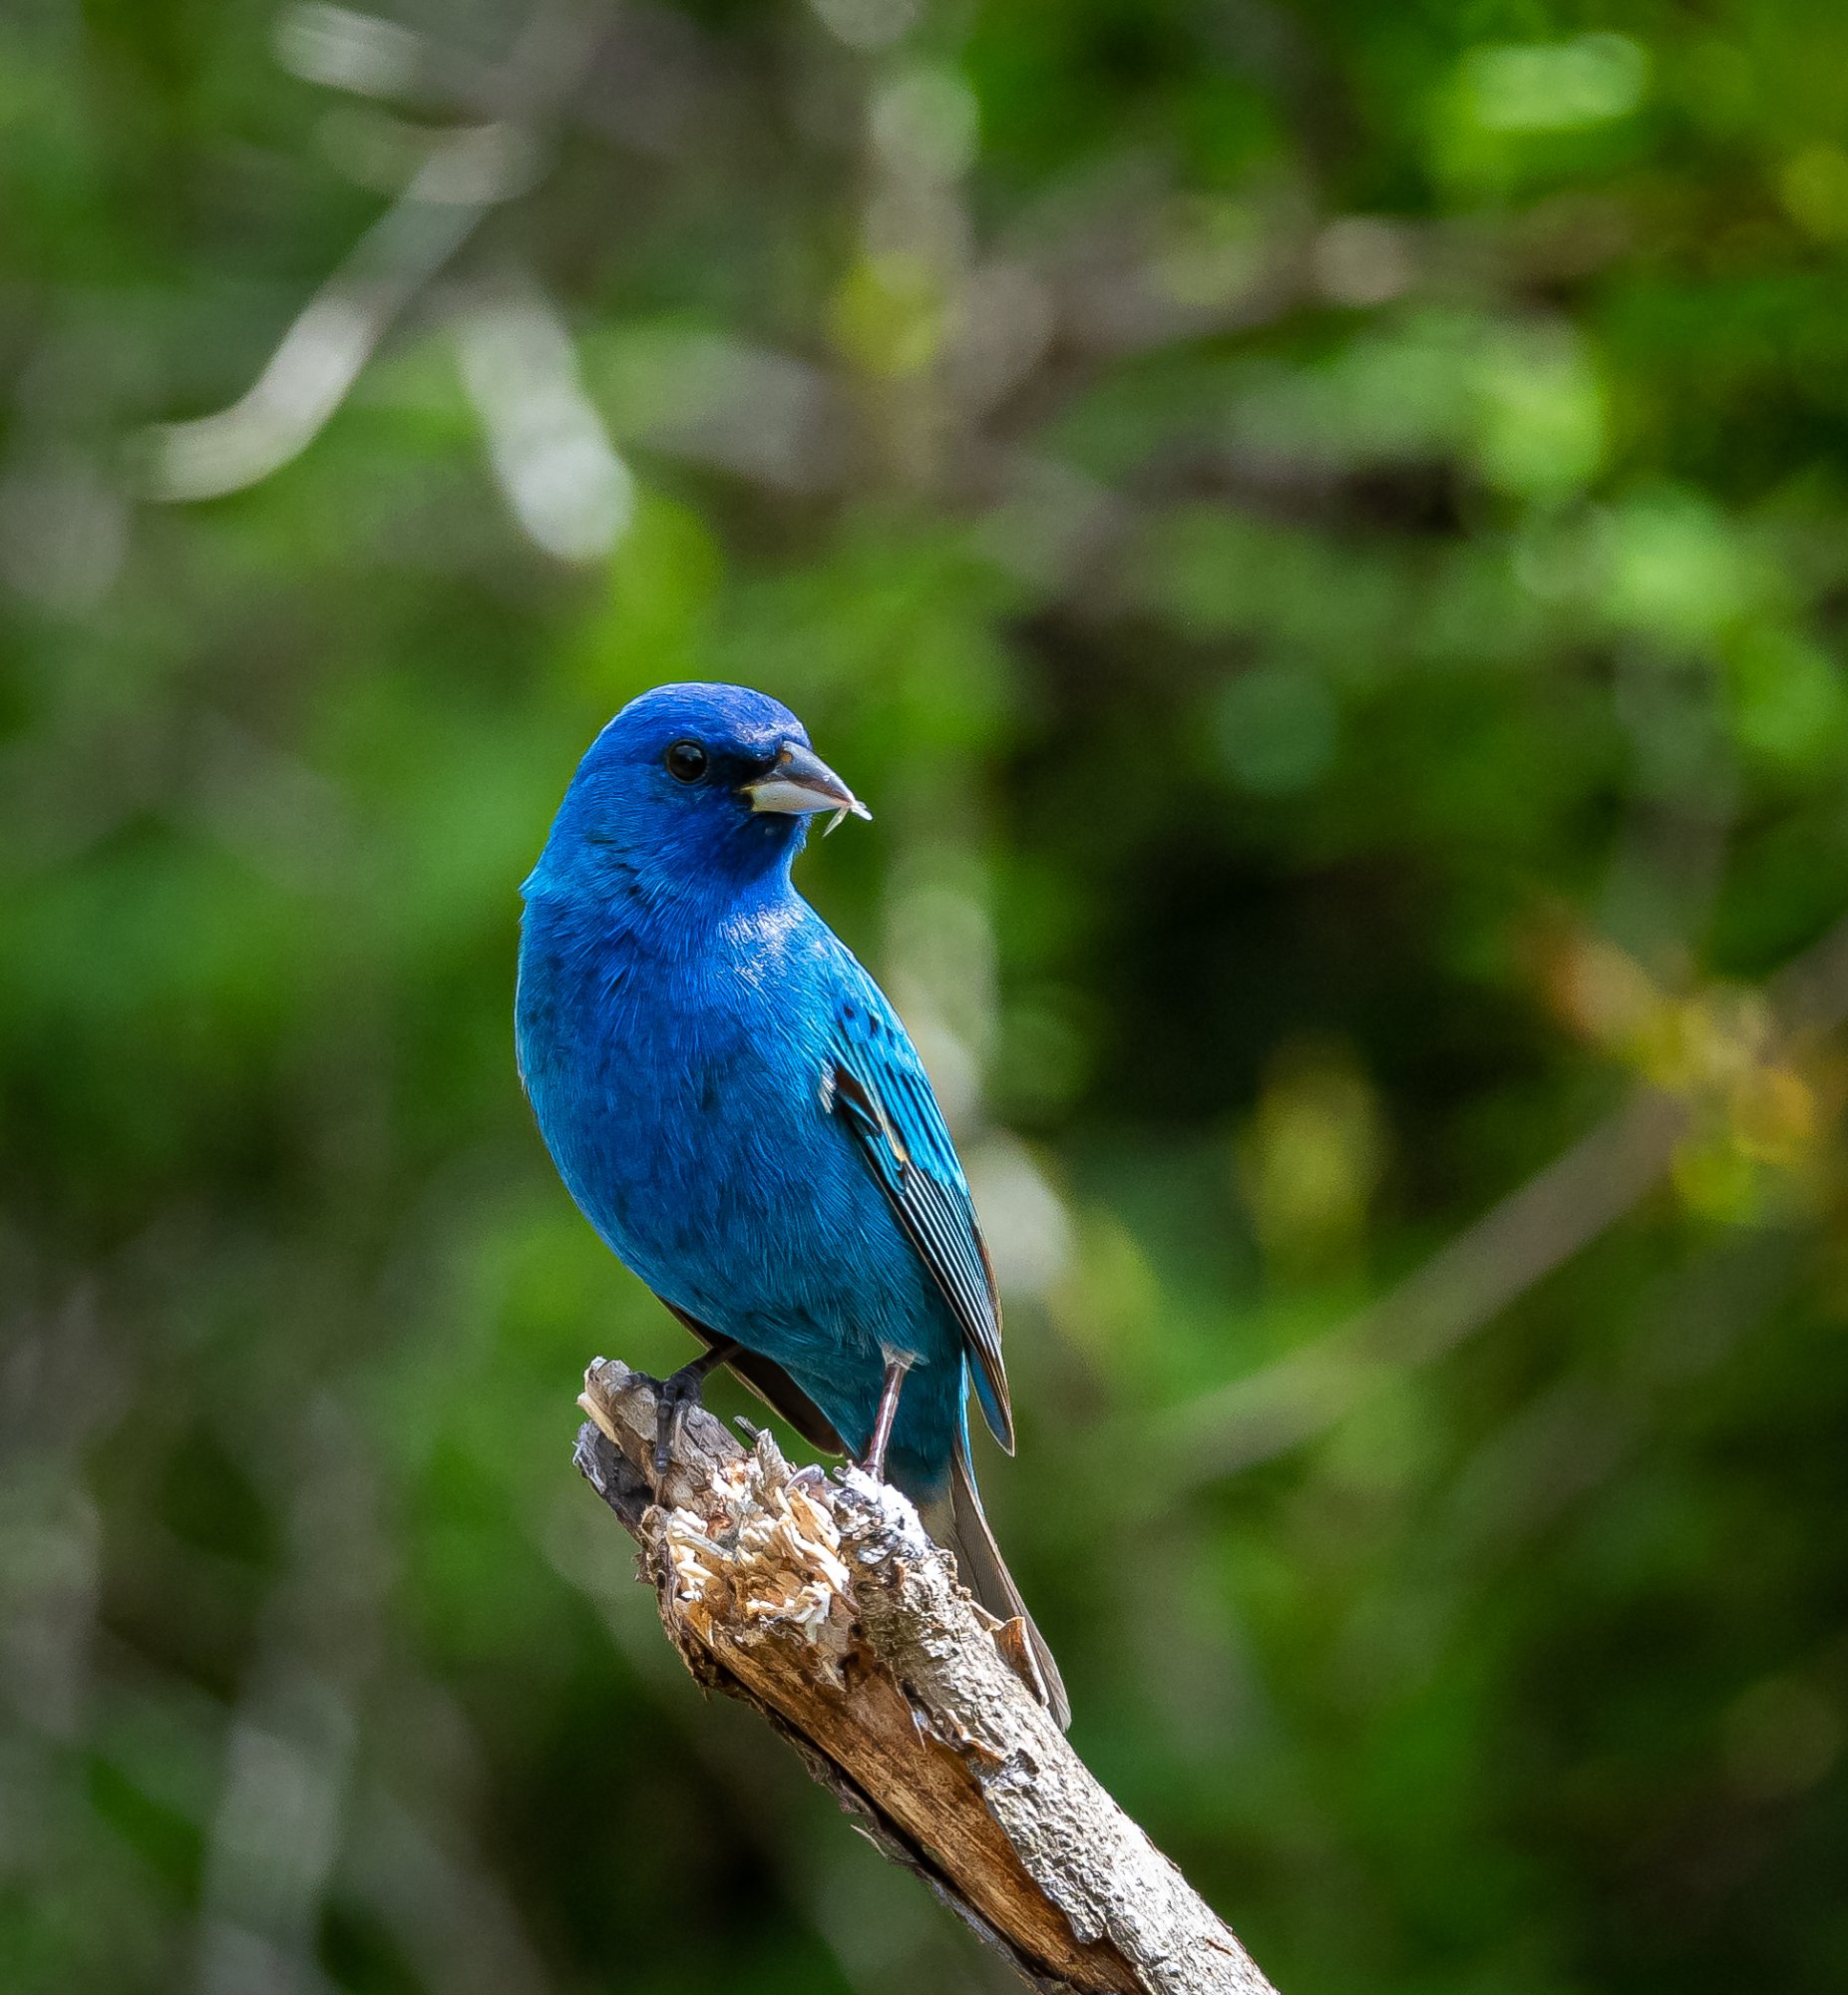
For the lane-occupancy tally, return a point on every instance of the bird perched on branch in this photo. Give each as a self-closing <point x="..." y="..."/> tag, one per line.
<point x="739" y="1113"/>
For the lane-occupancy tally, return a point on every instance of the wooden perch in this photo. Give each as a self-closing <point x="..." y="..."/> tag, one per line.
<point x="822" y="1602"/>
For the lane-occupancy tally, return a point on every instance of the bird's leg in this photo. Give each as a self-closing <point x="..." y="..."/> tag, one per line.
<point x="680" y="1390"/>
<point x="875" y="1464"/>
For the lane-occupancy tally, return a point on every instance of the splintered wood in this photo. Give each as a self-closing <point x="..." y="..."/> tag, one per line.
<point x="764" y="1553"/>
<point x="822" y="1602"/>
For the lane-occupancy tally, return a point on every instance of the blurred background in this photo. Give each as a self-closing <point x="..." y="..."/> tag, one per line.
<point x="1322" y="530"/>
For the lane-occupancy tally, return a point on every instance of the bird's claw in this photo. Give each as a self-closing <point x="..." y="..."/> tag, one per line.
<point x="677" y="1391"/>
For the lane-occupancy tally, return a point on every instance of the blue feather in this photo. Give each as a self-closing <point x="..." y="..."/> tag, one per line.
<point x="881" y="1085"/>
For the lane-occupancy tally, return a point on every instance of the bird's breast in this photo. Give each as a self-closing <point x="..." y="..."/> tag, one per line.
<point x="680" y="1097"/>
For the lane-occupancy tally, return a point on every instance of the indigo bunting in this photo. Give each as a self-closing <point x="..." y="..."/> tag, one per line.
<point x="738" y="1113"/>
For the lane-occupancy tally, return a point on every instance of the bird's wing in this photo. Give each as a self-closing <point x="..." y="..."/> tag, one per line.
<point x="878" y="1084"/>
<point x="767" y="1379"/>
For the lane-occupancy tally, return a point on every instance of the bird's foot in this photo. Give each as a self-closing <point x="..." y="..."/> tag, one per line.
<point x="678" y="1390"/>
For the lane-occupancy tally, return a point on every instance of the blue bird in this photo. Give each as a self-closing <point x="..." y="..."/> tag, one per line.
<point x="737" y="1110"/>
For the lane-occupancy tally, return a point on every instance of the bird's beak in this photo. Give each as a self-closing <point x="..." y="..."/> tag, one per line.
<point x="799" y="782"/>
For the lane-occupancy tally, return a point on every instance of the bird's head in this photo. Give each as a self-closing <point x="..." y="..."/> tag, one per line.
<point x="690" y="788"/>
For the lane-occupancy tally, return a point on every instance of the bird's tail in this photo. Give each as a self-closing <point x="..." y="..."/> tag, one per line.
<point x="957" y="1521"/>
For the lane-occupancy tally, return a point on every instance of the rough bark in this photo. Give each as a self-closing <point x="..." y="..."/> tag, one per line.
<point x="820" y="1602"/>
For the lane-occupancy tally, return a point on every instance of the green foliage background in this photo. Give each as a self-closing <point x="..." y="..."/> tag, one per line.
<point x="1322" y="530"/>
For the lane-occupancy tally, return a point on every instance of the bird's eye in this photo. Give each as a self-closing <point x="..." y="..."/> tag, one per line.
<point x="686" y="761"/>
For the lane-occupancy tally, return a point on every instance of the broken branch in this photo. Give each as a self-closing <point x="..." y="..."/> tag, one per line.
<point x="820" y="1602"/>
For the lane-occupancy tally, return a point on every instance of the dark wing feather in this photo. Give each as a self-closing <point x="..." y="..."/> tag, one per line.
<point x="778" y="1391"/>
<point x="879" y="1085"/>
